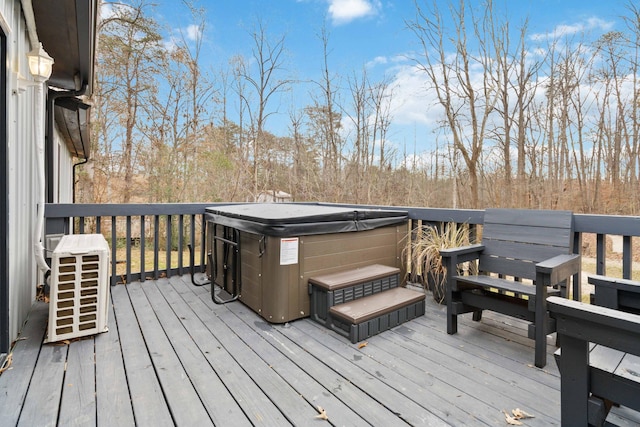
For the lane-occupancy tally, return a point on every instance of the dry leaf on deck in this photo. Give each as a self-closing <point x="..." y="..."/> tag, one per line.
<point x="519" y="414"/>
<point x="323" y="413"/>
<point x="7" y="363"/>
<point x="362" y="344"/>
<point x="511" y="420"/>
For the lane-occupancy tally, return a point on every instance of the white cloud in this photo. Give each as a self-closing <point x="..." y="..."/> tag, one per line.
<point x="378" y="60"/>
<point x="188" y="34"/>
<point x="412" y="102"/>
<point x="345" y="11"/>
<point x="193" y="32"/>
<point x="565" y="30"/>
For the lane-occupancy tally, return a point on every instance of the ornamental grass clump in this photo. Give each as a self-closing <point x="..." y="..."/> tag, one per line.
<point x="424" y="255"/>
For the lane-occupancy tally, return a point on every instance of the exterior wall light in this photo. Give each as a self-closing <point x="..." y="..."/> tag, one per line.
<point x="40" y="64"/>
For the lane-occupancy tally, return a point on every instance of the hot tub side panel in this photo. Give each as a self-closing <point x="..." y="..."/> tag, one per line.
<point x="329" y="253"/>
<point x="279" y="293"/>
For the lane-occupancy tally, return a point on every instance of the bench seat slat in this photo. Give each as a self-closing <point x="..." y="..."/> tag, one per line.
<point x="605" y="358"/>
<point x="518" y="288"/>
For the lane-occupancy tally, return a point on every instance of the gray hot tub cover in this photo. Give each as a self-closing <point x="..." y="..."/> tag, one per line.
<point x="292" y="219"/>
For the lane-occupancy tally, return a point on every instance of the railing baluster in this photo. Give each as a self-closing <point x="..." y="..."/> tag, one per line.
<point x="192" y="238"/>
<point x="114" y="246"/>
<point x="203" y="243"/>
<point x="601" y="254"/>
<point x="627" y="257"/>
<point x="128" y="248"/>
<point x="143" y="268"/>
<point x="180" y="243"/>
<point x="156" y="245"/>
<point x="576" y="280"/>
<point x="169" y="224"/>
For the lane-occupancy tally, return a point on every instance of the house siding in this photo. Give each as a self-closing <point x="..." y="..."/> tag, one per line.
<point x="22" y="107"/>
<point x="64" y="177"/>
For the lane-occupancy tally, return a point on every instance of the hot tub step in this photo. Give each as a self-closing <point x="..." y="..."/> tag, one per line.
<point x="332" y="289"/>
<point x="368" y="316"/>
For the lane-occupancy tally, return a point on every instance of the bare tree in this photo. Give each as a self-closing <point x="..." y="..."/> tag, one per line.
<point x="515" y="80"/>
<point x="128" y="49"/>
<point x="633" y="136"/>
<point x="265" y="83"/>
<point x="450" y="69"/>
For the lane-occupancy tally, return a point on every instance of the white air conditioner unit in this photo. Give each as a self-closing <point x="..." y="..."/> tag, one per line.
<point x="79" y="293"/>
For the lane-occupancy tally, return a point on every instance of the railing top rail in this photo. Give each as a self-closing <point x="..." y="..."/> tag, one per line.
<point x="65" y="210"/>
<point x="617" y="225"/>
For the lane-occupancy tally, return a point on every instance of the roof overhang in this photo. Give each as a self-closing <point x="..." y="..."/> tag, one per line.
<point x="67" y="30"/>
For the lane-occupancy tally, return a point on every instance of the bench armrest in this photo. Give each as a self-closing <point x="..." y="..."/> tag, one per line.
<point x="559" y="268"/>
<point x="463" y="253"/>
<point x="614" y="283"/>
<point x="600" y="325"/>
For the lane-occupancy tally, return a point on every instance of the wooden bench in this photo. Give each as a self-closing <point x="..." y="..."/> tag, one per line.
<point x="599" y="362"/>
<point x="363" y="302"/>
<point x="525" y="256"/>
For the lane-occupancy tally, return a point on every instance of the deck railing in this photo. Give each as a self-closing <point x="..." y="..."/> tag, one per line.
<point x="131" y="229"/>
<point x="138" y="232"/>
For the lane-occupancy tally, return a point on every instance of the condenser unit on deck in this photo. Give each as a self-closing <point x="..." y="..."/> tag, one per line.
<point x="79" y="287"/>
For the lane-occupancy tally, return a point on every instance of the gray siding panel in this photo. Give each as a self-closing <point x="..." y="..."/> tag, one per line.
<point x="22" y="169"/>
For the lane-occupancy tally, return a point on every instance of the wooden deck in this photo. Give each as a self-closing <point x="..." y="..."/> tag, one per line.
<point x="172" y="357"/>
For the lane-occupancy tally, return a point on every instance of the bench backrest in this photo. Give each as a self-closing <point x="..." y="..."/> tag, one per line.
<point x="516" y="239"/>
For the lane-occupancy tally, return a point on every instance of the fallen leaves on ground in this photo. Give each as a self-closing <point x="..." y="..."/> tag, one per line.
<point x="363" y="344"/>
<point x="520" y="414"/>
<point x="323" y="413"/>
<point x="7" y="363"/>
<point x="515" y="416"/>
<point x="511" y="420"/>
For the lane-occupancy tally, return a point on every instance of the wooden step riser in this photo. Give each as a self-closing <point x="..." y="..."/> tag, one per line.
<point x="379" y="324"/>
<point x="322" y="300"/>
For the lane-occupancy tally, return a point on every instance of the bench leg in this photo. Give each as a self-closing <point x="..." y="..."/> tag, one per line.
<point x="477" y="315"/>
<point x="574" y="381"/>
<point x="541" y="350"/>
<point x="540" y="316"/>
<point x="452" y="324"/>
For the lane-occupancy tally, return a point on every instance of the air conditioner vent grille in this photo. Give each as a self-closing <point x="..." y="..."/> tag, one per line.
<point x="79" y="287"/>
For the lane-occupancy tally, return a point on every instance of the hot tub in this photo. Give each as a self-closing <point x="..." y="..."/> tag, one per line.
<point x="265" y="253"/>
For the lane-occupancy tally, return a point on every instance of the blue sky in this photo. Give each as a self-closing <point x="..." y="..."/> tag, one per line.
<point x="366" y="33"/>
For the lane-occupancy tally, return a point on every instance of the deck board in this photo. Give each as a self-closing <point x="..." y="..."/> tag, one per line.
<point x="160" y="336"/>
<point x="220" y="349"/>
<point x="213" y="394"/>
<point x="173" y="357"/>
<point x="147" y="398"/>
<point x="42" y="401"/>
<point x="14" y="383"/>
<point x="78" y="404"/>
<point x="113" y="404"/>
